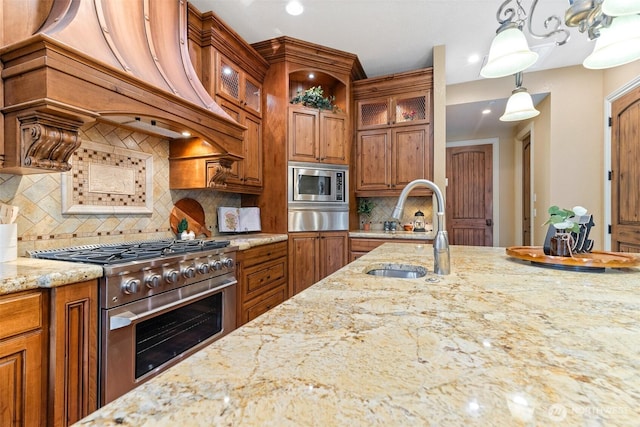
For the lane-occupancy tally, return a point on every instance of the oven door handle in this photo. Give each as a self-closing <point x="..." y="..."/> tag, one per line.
<point x="126" y="318"/>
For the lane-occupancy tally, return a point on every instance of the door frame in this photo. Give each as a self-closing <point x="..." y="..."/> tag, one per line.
<point x="628" y="87"/>
<point x="518" y="171"/>
<point x="495" y="147"/>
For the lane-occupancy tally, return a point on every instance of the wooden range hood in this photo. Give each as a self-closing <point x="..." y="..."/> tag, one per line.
<point x="123" y="62"/>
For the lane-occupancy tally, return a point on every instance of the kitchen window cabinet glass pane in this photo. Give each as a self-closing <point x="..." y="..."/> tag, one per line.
<point x="252" y="95"/>
<point x="409" y="109"/>
<point x="374" y="113"/>
<point x="229" y="80"/>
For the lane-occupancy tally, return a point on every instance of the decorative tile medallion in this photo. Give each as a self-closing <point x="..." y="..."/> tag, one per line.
<point x="108" y="179"/>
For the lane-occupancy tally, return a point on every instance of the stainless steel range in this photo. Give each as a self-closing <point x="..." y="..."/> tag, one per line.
<point x="160" y="301"/>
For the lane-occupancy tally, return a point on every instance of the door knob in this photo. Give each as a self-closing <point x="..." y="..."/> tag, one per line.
<point x="489" y="222"/>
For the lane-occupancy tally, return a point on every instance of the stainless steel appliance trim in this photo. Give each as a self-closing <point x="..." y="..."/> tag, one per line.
<point x="117" y="347"/>
<point x="130" y="314"/>
<point x="317" y="169"/>
<point x="318" y="218"/>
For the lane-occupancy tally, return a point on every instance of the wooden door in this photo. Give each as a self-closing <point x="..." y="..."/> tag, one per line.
<point x="333" y="251"/>
<point x="412" y="155"/>
<point x="303" y="261"/>
<point x="252" y="162"/>
<point x="526" y="191"/>
<point x="625" y="177"/>
<point x="470" y="195"/>
<point x="73" y="353"/>
<point x="21" y="379"/>
<point x="373" y="164"/>
<point x="333" y="141"/>
<point x="303" y="134"/>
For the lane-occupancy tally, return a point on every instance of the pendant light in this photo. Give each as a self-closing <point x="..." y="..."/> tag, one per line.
<point x="620" y="7"/>
<point x="520" y="105"/>
<point x="509" y="54"/>
<point x="618" y="44"/>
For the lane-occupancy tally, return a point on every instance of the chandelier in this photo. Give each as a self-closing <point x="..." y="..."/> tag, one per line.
<point x="613" y="24"/>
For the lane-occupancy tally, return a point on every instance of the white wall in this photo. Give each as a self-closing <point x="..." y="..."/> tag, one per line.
<point x="568" y="136"/>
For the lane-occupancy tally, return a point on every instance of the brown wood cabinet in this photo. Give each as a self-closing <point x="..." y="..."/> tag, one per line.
<point x="233" y="73"/>
<point x="362" y="246"/>
<point x="22" y="341"/>
<point x="262" y="280"/>
<point x="48" y="355"/>
<point x="394" y="135"/>
<point x="315" y="255"/>
<point x="248" y="171"/>
<point x="292" y="131"/>
<point x="237" y="86"/>
<point x="317" y="136"/>
<point x="73" y="352"/>
<point x="388" y="159"/>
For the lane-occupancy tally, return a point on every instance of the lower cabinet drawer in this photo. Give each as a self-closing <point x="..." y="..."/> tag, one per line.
<point x="269" y="300"/>
<point x="262" y="277"/>
<point x="20" y="313"/>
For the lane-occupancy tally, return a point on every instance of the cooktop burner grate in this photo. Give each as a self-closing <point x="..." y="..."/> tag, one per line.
<point x="117" y="253"/>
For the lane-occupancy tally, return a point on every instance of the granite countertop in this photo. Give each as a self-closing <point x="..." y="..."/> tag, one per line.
<point x="30" y="273"/>
<point x="380" y="234"/>
<point x="497" y="342"/>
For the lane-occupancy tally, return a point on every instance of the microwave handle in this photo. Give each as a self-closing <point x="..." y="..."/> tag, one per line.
<point x="126" y="318"/>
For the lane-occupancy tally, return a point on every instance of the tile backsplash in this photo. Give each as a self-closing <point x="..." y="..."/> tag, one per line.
<point x="383" y="207"/>
<point x="42" y="225"/>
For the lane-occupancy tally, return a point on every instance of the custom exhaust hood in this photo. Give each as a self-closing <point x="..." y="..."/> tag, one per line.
<point x="121" y="61"/>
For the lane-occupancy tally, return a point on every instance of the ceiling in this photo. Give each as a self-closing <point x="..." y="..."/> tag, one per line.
<point x="391" y="36"/>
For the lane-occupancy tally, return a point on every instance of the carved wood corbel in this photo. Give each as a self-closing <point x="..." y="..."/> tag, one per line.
<point x="217" y="172"/>
<point x="48" y="141"/>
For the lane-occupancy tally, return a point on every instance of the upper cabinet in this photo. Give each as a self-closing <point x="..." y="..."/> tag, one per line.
<point x="400" y="110"/>
<point x="233" y="73"/>
<point x="394" y="134"/>
<point x="318" y="123"/>
<point x="237" y="86"/>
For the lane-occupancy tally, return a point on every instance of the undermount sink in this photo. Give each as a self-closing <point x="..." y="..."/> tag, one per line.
<point x="401" y="271"/>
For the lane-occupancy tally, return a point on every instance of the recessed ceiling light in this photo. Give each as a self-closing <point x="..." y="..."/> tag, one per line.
<point x="294" y="7"/>
<point x="486" y="111"/>
<point x="186" y="133"/>
<point x="311" y="76"/>
<point x="473" y="58"/>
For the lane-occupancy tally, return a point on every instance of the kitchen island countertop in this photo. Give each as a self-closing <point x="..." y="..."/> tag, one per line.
<point x="497" y="342"/>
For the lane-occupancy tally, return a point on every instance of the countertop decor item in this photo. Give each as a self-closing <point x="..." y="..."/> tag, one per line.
<point x="314" y="97"/>
<point x="192" y="211"/>
<point x="594" y="261"/>
<point x="365" y="208"/>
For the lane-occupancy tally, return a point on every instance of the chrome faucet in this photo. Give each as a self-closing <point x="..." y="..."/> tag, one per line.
<point x="441" y="243"/>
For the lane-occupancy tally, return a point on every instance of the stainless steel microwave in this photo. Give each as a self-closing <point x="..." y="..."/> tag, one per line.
<point x="323" y="183"/>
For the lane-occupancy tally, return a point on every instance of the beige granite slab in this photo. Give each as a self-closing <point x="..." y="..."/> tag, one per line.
<point x="29" y="273"/>
<point x="499" y="342"/>
<point x="379" y="234"/>
<point x="247" y="241"/>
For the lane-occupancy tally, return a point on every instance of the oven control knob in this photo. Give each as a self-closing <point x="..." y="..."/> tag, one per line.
<point x="189" y="272"/>
<point x="228" y="262"/>
<point x="131" y="286"/>
<point x="171" y="276"/>
<point x="216" y="265"/>
<point x="152" y="281"/>
<point x="203" y="268"/>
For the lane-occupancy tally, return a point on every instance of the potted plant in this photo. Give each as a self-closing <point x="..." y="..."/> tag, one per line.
<point x="314" y="97"/>
<point x="565" y="222"/>
<point x="365" y="208"/>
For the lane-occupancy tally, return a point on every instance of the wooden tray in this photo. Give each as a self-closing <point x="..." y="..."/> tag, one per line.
<point x="592" y="261"/>
<point x="193" y="212"/>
